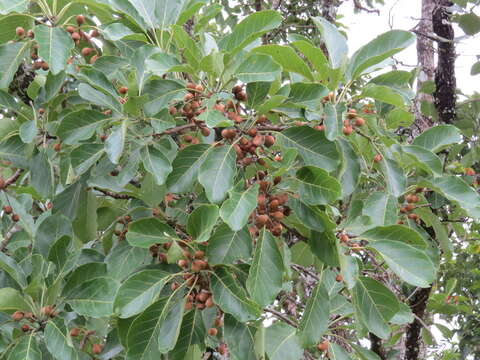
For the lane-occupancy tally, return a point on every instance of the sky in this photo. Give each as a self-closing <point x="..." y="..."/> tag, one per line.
<point x="404" y="15"/>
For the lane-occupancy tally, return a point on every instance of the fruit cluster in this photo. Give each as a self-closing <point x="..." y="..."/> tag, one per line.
<point x="78" y="35"/>
<point x="410" y="200"/>
<point x="96" y="348"/>
<point x="271" y="207"/>
<point x="7" y="209"/>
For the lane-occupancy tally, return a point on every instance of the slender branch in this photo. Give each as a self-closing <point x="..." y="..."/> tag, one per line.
<point x="282" y="317"/>
<point x="11" y="180"/>
<point x="177" y="129"/>
<point x="112" y="194"/>
<point x="302" y="269"/>
<point x="358" y="5"/>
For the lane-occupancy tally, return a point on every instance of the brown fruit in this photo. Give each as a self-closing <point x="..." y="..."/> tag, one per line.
<point x="410" y="207"/>
<point x="47" y="310"/>
<point x="86" y="51"/>
<point x="258" y="140"/>
<point x="403" y="210"/>
<point x="218" y="322"/>
<point x="93" y="59"/>
<point x="222" y="349"/>
<point x="241" y="96"/>
<point x="419" y="189"/>
<point x="8" y="209"/>
<point x="188" y="97"/>
<point x="70" y="29"/>
<point x="344" y="238"/>
<point x="377" y="158"/>
<point x="277" y="230"/>
<point x="172" y="110"/>
<point x="94" y="33"/>
<point x="202" y="297"/>
<point x="57" y="147"/>
<point x="20" y="31"/>
<point x="199" y="88"/>
<point x="359" y="122"/>
<point x="15" y="217"/>
<point x="261" y="220"/>
<point x="269" y="140"/>
<point x="413" y="216"/>
<point x="30" y="34"/>
<point x="236" y="89"/>
<point x="347" y="130"/>
<point x="323" y="346"/>
<point x="188" y="138"/>
<point x="97" y="349"/>
<point x="352" y="114"/>
<point x="277" y="180"/>
<point x="199" y="254"/>
<point x="76" y="36"/>
<point x="188" y="305"/>
<point x="209" y="302"/>
<point x="182" y="263"/>
<point x="339" y="278"/>
<point x="273" y="206"/>
<point x="80" y="19"/>
<point x="17" y="315"/>
<point x="123" y="90"/>
<point x="45" y="66"/>
<point x="2" y="183"/>
<point x="212" y="332"/>
<point x="469" y="172"/>
<point x="278" y="215"/>
<point x="25" y="328"/>
<point x="261" y="119"/>
<point x="198" y="265"/>
<point x="74" y="332"/>
<point x="412" y="198"/>
<point x="205" y="131"/>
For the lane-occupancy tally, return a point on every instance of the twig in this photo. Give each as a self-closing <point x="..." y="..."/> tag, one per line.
<point x="282" y="317"/>
<point x="112" y="194"/>
<point x="299" y="268"/>
<point x="271" y="128"/>
<point x="360" y="7"/>
<point x="13" y="178"/>
<point x="176" y="129"/>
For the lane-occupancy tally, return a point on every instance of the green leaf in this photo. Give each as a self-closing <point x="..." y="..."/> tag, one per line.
<point x="377" y="50"/>
<point x="124" y="259"/>
<point x="306" y="94"/>
<point x="185" y="168"/>
<point x="312" y="146"/>
<point x="365" y="354"/>
<point x="316" y="187"/>
<point x="8" y="6"/>
<point x="311" y="216"/>
<point x="99" y="98"/>
<point x="57" y="341"/>
<point x="11" y="56"/>
<point x="98" y="80"/>
<point x="192" y="333"/>
<point x="257" y="92"/>
<point x="145" y="331"/>
<point x="394" y="177"/>
<point x="438" y="137"/>
<point x="157" y="164"/>
<point x="399" y="117"/>
<point x="396" y="233"/>
<point x="95" y="297"/>
<point x="239" y="338"/>
<point x="351" y="169"/>
<point x="227" y="246"/>
<point x="51" y="229"/>
<point x="115" y="142"/>
<point x="28" y="131"/>
<point x="383" y="94"/>
<point x="158" y="14"/>
<point x="441" y="235"/>
<point x="470" y="23"/>
<point x="425" y="158"/>
<point x="55" y="46"/>
<point x="266" y="273"/>
<point x="375" y="305"/>
<point x="333" y="121"/>
<point x="115" y="31"/>
<point x="60" y="254"/>
<point x="337" y="352"/>
<point x="162" y="92"/>
<point x="381" y="208"/>
<point x="231" y="297"/>
<point x="217" y="172"/>
<point x="85" y="156"/>
<point x="456" y="189"/>
<point x="282" y="342"/>
<point x="236" y="210"/>
<point x="315" y="317"/>
<point x="10" y="266"/>
<point x="410" y="264"/>
<point x="324" y="246"/>
<point x="160" y="63"/>
<point x="258" y="67"/>
<point x="11" y="300"/>
<point x="146" y="232"/>
<point x="26" y="349"/>
<point x="201" y="222"/>
<point x="41" y="174"/>
<point x="315" y="56"/>
<point x="79" y="125"/>
<point x="250" y="29"/>
<point x="287" y="58"/>
<point x="335" y="42"/>
<point x="138" y="292"/>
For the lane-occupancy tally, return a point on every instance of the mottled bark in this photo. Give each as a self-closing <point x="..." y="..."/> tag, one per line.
<point x="426" y="66"/>
<point x="445" y="97"/>
<point x="413" y="343"/>
<point x="376" y="346"/>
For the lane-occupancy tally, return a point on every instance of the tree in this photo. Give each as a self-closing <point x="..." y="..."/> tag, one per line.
<point x="175" y="187"/>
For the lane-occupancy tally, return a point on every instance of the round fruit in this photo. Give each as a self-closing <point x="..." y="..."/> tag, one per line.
<point x="15" y="217"/>
<point x="347" y="130"/>
<point x="76" y="36"/>
<point x="209" y="302"/>
<point x="352" y="114"/>
<point x="80" y="19"/>
<point x="45" y="66"/>
<point x="30" y="34"/>
<point x="97" y="349"/>
<point x="47" y="310"/>
<point x="377" y="158"/>
<point x="18" y="315"/>
<point x="123" y="90"/>
<point x="339" y="278"/>
<point x="205" y="131"/>
<point x="182" y="263"/>
<point x="359" y="122"/>
<point x="199" y="254"/>
<point x="269" y="140"/>
<point x="25" y="328"/>
<point x="8" y="209"/>
<point x="323" y="346"/>
<point x="20" y="31"/>
<point x="199" y="88"/>
<point x="413" y="216"/>
<point x="469" y="172"/>
<point x="57" y="147"/>
<point x="86" y="51"/>
<point x="212" y="332"/>
<point x="93" y="59"/>
<point x="344" y="238"/>
<point x="74" y="332"/>
<point x="70" y="29"/>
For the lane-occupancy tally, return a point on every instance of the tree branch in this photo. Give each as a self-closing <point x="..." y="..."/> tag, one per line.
<point x="112" y="194"/>
<point x="282" y="317"/>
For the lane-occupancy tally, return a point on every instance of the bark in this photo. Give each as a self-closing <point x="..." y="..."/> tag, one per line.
<point x="413" y="344"/>
<point x="376" y="346"/>
<point x="329" y="9"/>
<point x="445" y="98"/>
<point x="426" y="66"/>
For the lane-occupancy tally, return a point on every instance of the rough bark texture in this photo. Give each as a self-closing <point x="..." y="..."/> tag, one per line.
<point x="413" y="344"/>
<point x="329" y="9"/>
<point x="445" y="98"/>
<point x="426" y="65"/>
<point x="376" y="346"/>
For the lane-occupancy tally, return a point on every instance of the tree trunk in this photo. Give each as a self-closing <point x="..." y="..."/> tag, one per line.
<point x="426" y="66"/>
<point x="413" y="343"/>
<point x="445" y="97"/>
